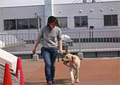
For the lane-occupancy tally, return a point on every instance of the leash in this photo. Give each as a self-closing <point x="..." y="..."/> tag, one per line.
<point x="60" y="55"/>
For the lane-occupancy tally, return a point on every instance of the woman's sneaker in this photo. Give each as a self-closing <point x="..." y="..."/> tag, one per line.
<point x="49" y="83"/>
<point x="53" y="82"/>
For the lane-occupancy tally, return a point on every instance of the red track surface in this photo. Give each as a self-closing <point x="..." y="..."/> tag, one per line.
<point x="92" y="72"/>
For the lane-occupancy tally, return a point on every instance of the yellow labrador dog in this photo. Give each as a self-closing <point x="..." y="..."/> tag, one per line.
<point x="73" y="62"/>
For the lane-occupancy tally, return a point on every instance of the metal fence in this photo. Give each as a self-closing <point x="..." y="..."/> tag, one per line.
<point x="81" y="41"/>
<point x="95" y="40"/>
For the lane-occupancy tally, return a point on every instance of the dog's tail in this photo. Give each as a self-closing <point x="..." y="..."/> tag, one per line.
<point x="67" y="50"/>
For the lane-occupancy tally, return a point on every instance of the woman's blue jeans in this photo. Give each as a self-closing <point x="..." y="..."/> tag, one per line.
<point x="49" y="56"/>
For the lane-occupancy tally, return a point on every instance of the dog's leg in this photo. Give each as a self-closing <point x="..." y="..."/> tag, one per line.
<point x="77" y="75"/>
<point x="72" y="75"/>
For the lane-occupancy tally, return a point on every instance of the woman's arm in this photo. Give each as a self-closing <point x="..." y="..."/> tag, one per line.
<point x="36" y="44"/>
<point x="60" y="46"/>
<point x="40" y="36"/>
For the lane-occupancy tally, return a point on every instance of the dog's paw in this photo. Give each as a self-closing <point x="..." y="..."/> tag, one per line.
<point x="77" y="81"/>
<point x="72" y="83"/>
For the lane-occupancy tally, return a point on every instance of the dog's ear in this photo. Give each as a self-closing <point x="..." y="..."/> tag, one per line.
<point x="73" y="59"/>
<point x="66" y="50"/>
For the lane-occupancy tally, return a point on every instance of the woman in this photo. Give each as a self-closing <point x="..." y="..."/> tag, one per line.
<point x="50" y="35"/>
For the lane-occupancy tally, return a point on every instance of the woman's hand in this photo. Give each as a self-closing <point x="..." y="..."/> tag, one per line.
<point x="61" y="52"/>
<point x="36" y="44"/>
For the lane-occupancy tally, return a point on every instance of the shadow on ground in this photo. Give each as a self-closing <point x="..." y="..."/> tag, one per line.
<point x="57" y="82"/>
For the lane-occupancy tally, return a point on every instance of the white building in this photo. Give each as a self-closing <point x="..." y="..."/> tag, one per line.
<point x="101" y="15"/>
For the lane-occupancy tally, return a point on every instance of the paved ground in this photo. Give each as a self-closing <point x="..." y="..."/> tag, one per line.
<point x="92" y="72"/>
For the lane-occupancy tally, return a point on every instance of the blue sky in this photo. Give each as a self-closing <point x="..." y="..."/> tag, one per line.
<point x="4" y="3"/>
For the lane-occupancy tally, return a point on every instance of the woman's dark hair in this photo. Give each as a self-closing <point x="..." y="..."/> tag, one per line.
<point x="52" y="19"/>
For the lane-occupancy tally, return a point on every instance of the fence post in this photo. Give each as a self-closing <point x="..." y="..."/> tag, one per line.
<point x="80" y="54"/>
<point x="79" y="42"/>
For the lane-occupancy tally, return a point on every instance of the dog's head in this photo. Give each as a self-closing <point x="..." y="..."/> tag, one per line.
<point x="68" y="58"/>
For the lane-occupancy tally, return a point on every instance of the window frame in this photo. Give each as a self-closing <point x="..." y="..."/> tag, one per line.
<point x="8" y="24"/>
<point x="80" y="21"/>
<point x="66" y="23"/>
<point x="16" y="21"/>
<point x="109" y="20"/>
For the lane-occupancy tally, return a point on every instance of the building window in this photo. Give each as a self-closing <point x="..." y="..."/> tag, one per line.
<point x="9" y="24"/>
<point x="110" y="20"/>
<point x="62" y="22"/>
<point x="33" y="23"/>
<point x="22" y="24"/>
<point x="81" y="21"/>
